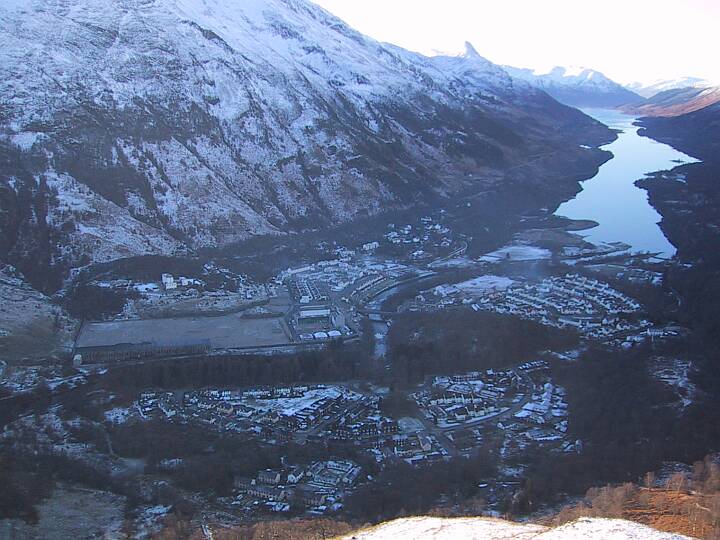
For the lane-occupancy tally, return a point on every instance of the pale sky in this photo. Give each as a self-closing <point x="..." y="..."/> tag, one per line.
<point x="628" y="40"/>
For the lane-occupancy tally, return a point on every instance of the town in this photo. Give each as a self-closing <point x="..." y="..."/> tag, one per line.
<point x="325" y="301"/>
<point x="329" y="441"/>
<point x="454" y="416"/>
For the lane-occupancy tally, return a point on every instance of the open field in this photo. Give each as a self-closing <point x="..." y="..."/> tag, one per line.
<point x="226" y="332"/>
<point x="71" y="513"/>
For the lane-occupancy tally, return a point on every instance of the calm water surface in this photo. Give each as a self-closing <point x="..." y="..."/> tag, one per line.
<point x="611" y="197"/>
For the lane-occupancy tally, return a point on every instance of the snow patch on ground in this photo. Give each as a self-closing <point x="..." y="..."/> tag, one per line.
<point x="26" y="139"/>
<point x="449" y="529"/>
<point x="426" y="528"/>
<point x="457" y="262"/>
<point x="475" y="286"/>
<point x="517" y="252"/>
<point x="607" y="529"/>
<point x="676" y="374"/>
<point x="149" y="521"/>
<point x="118" y="415"/>
<point x="410" y="425"/>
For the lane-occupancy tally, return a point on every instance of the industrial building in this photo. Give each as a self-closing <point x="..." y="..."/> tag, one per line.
<point x="315" y="316"/>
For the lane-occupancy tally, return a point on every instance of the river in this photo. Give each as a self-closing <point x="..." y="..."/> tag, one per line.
<point x="611" y="198"/>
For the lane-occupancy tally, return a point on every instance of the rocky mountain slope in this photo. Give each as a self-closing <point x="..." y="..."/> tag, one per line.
<point x="130" y="127"/>
<point x="676" y="102"/>
<point x="427" y="528"/>
<point x="578" y="86"/>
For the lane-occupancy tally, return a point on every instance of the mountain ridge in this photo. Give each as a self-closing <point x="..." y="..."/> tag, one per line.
<point x="577" y="86"/>
<point x="164" y="126"/>
<point x="662" y="85"/>
<point x="676" y="102"/>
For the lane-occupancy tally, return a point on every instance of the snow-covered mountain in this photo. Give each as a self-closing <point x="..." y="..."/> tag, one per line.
<point x="577" y="86"/>
<point x="130" y="127"/>
<point x="663" y="85"/>
<point x="426" y="528"/>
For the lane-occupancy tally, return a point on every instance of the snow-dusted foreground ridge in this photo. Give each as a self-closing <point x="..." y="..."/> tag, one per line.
<point x="132" y="127"/>
<point x="427" y="528"/>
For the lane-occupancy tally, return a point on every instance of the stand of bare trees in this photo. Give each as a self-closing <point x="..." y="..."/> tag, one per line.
<point x="684" y="502"/>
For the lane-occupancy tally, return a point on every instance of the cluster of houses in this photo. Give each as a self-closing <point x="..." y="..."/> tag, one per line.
<point x="151" y="403"/>
<point x="470" y="397"/>
<point x="274" y="413"/>
<point x="334" y="275"/>
<point x="169" y="283"/>
<point x="426" y="231"/>
<point x="305" y="291"/>
<point x="424" y="240"/>
<point x="467" y="439"/>
<point x="320" y="485"/>
<point x="629" y="273"/>
<point x="317" y="290"/>
<point x="330" y="415"/>
<point x="547" y="406"/>
<point x="221" y="290"/>
<point x="542" y="420"/>
<point x="533" y="366"/>
<point x="363" y="425"/>
<point x="291" y="409"/>
<point x="419" y="448"/>
<point x="223" y="279"/>
<point x="590" y="306"/>
<point x="533" y="412"/>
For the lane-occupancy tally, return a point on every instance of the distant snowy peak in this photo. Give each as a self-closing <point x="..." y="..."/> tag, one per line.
<point x="470" y="65"/>
<point x="577" y="86"/>
<point x="663" y="85"/>
<point x="578" y="75"/>
<point x="471" y="54"/>
<point x="565" y="76"/>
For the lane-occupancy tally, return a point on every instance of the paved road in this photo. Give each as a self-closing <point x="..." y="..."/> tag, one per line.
<point x="440" y="435"/>
<point x="456" y="253"/>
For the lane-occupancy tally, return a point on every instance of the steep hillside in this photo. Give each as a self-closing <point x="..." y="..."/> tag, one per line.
<point x="677" y="102"/>
<point x="663" y="85"/>
<point x="696" y="133"/>
<point x="161" y="126"/>
<point x="30" y="325"/>
<point x="579" y="87"/>
<point x="489" y="529"/>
